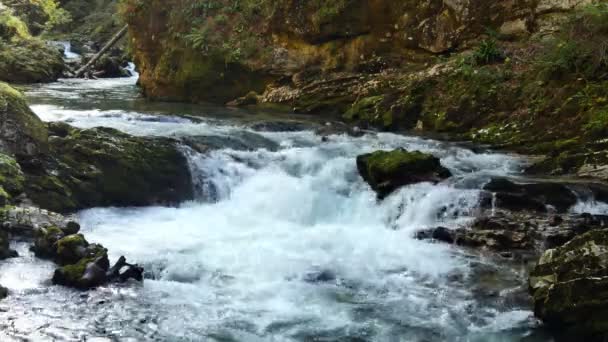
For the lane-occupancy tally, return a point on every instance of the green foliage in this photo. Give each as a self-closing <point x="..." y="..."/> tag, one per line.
<point x="14" y="27"/>
<point x="487" y="52"/>
<point x="598" y="123"/>
<point x="56" y="15"/>
<point x="580" y="50"/>
<point x="223" y="27"/>
<point x="325" y="11"/>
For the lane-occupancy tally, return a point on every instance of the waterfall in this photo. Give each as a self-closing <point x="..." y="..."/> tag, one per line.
<point x="67" y="49"/>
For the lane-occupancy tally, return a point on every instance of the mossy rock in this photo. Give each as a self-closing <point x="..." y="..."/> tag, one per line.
<point x="30" y="61"/>
<point x="386" y="171"/>
<point x="569" y="286"/>
<point x="71" y="249"/>
<point x="11" y="178"/>
<point x="105" y="167"/>
<point x="21" y="131"/>
<point x="45" y="242"/>
<point x="88" y="272"/>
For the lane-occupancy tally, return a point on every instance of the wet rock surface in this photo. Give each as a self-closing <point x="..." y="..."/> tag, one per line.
<point x="386" y="171"/>
<point x="83" y="265"/>
<point x="569" y="285"/>
<point x="241" y="141"/>
<point x="501" y="231"/>
<point x="21" y="131"/>
<point x="104" y="167"/>
<point x="531" y="196"/>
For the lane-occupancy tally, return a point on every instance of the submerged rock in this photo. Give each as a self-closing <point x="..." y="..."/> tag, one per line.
<point x="497" y="234"/>
<point x="386" y="171"/>
<point x="239" y="141"/>
<point x="569" y="286"/>
<point x="284" y="126"/>
<point x="531" y="196"/>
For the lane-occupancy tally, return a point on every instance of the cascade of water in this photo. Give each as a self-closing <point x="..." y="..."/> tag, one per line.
<point x="285" y="244"/>
<point x="67" y="49"/>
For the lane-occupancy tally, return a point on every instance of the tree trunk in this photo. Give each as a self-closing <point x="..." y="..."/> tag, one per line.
<point x="107" y="47"/>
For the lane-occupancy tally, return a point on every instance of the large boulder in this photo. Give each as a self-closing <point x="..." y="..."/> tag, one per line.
<point x="30" y="61"/>
<point x="386" y="171"/>
<point x="569" y="286"/>
<point x="11" y="179"/>
<point x="111" y="67"/>
<point x="21" y="131"/>
<point x="87" y="272"/>
<point x="105" y="167"/>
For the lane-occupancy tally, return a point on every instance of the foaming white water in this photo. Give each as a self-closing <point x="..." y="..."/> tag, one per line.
<point x="281" y="245"/>
<point x="590" y="206"/>
<point x="295" y="244"/>
<point x="67" y="49"/>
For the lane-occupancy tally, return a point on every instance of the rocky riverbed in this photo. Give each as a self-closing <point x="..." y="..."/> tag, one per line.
<point x="275" y="232"/>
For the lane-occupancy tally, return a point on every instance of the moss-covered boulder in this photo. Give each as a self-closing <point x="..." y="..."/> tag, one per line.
<point x="11" y="179"/>
<point x="45" y="242"/>
<point x="386" y="171"/>
<point x="105" y="167"/>
<point x="88" y="272"/>
<point x="570" y="286"/>
<point x="21" y="131"/>
<point x="30" y="61"/>
<point x="71" y="248"/>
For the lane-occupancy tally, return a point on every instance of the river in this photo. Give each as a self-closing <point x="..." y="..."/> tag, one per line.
<point x="281" y="244"/>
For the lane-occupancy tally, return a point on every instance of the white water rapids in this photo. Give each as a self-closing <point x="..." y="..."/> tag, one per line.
<point x="293" y="247"/>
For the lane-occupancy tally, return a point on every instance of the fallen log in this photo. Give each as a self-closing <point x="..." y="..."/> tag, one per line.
<point x="107" y="47"/>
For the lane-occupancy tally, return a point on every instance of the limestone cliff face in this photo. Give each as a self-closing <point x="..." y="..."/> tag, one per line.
<point x="217" y="51"/>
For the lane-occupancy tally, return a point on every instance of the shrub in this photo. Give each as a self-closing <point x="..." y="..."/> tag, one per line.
<point x="488" y="52"/>
<point x="581" y="49"/>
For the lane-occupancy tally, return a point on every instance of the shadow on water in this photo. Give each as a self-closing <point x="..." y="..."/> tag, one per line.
<point x="123" y="94"/>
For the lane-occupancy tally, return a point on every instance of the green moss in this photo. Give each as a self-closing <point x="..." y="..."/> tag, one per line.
<point x="105" y="167"/>
<point x="364" y="109"/>
<point x="71" y="275"/>
<point x="11" y="177"/>
<point x="70" y="243"/>
<point x="388" y="162"/>
<point x="77" y="270"/>
<point x="30" y="61"/>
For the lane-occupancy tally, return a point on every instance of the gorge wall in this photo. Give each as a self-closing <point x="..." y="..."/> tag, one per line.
<point x="525" y="75"/>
